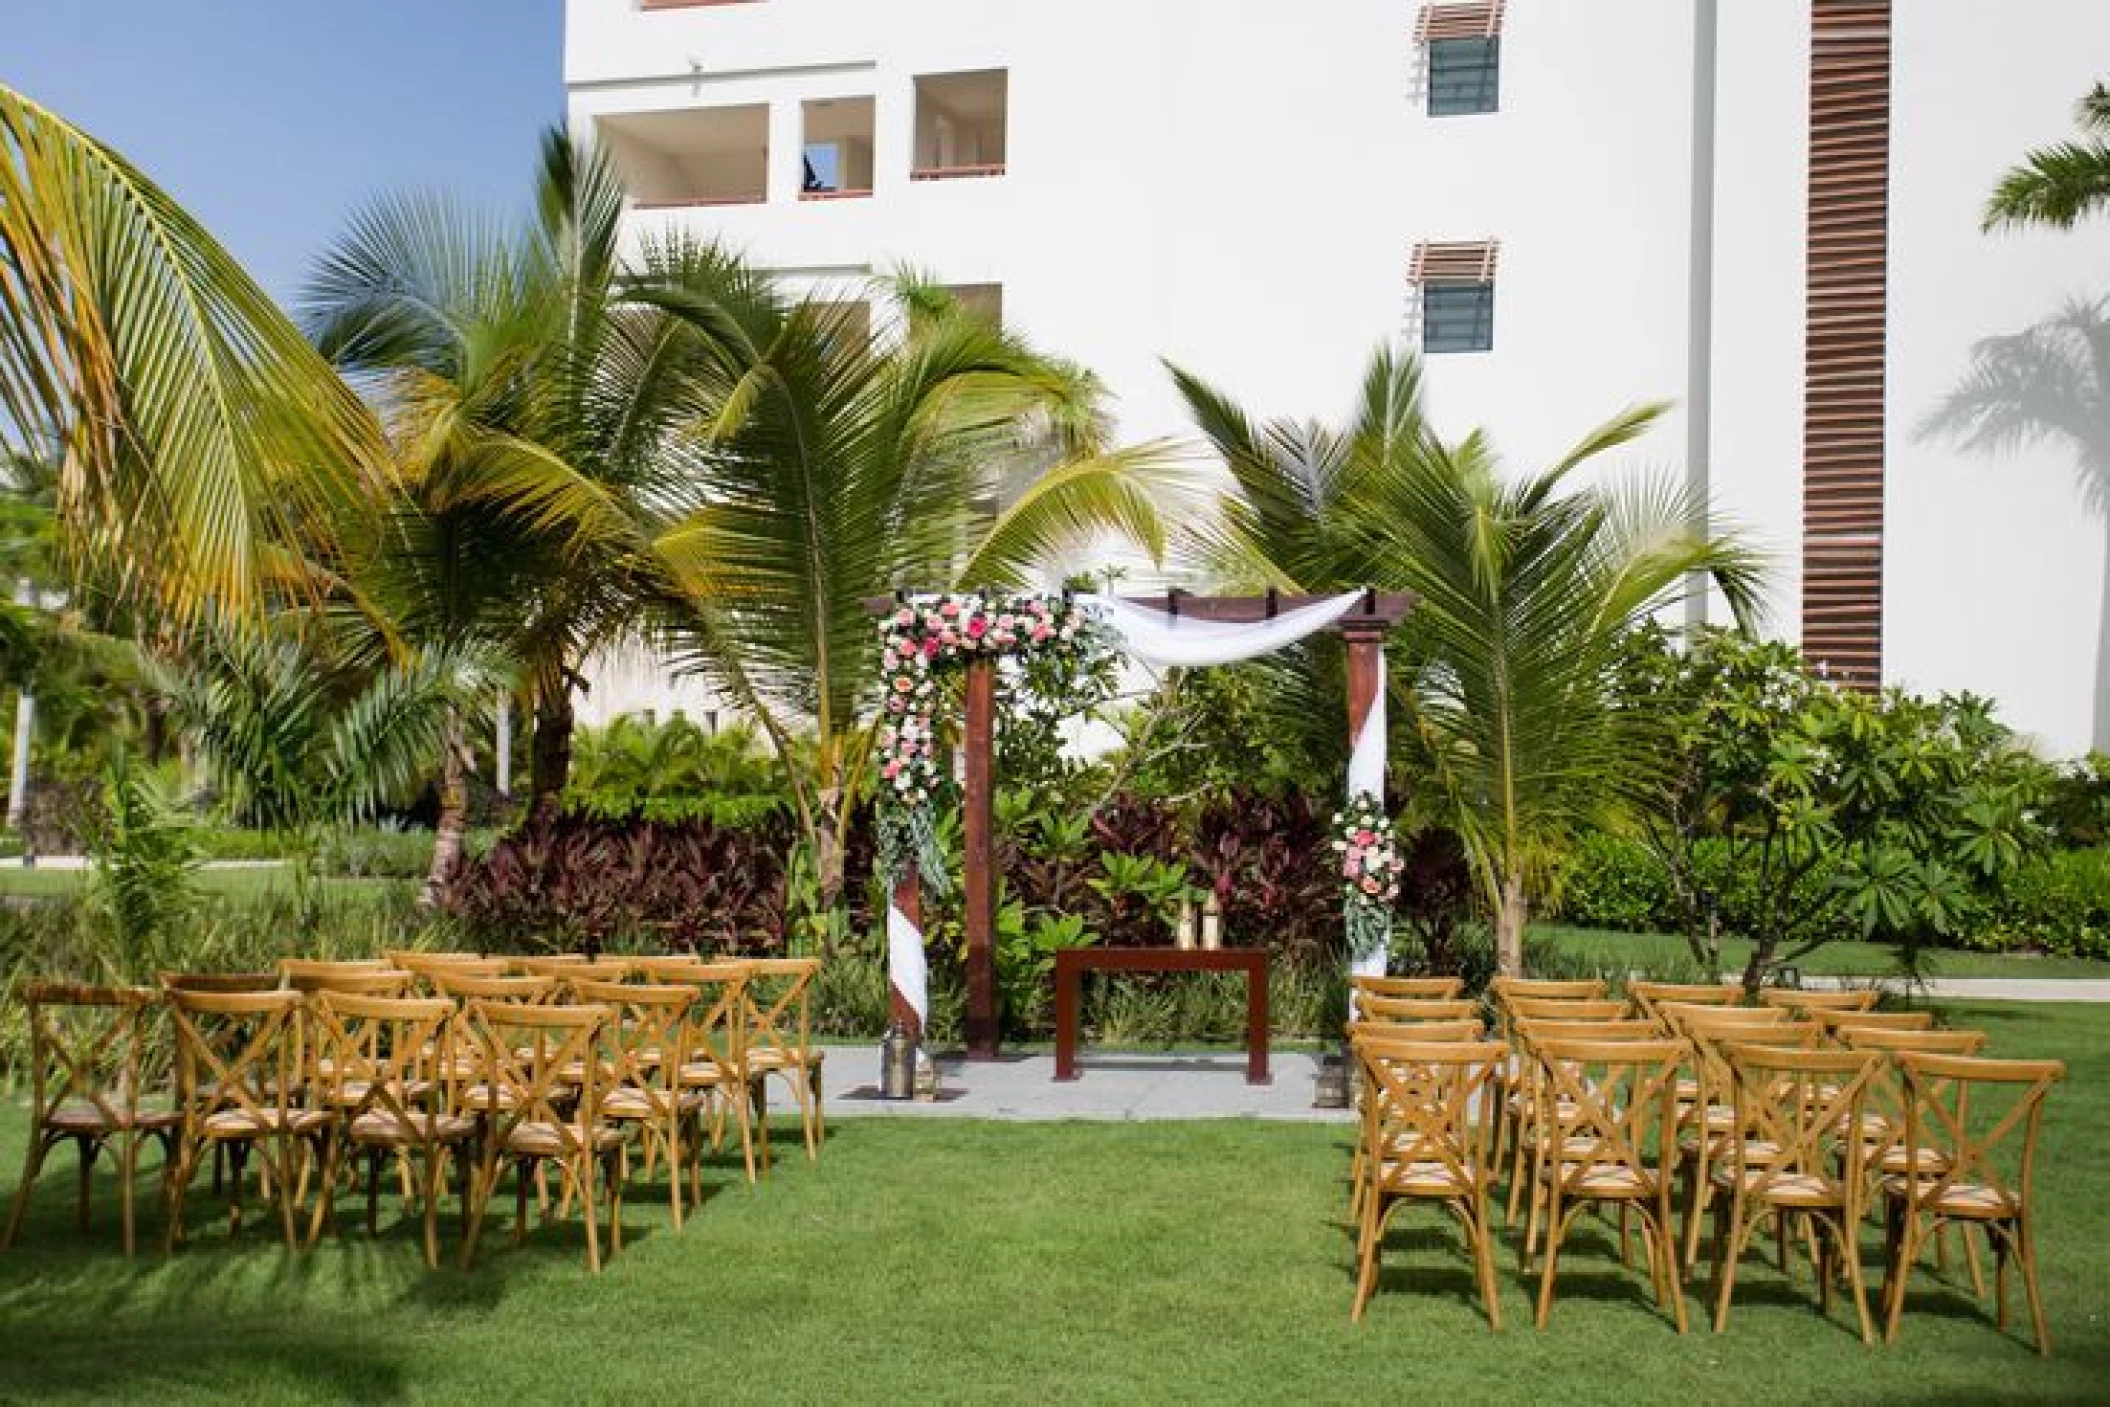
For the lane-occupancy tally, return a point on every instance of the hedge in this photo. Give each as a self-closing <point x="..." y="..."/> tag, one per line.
<point x="2058" y="904"/>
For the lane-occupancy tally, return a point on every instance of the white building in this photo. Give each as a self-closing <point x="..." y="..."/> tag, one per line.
<point x="1618" y="196"/>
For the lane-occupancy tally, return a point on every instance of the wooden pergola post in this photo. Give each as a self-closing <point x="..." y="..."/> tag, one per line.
<point x="908" y="897"/>
<point x="1365" y="638"/>
<point x="979" y="859"/>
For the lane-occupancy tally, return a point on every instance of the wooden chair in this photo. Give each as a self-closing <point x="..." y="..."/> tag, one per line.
<point x="1565" y="1009"/>
<point x="218" y="981"/>
<point x="378" y="1056"/>
<point x="602" y="971"/>
<point x="1504" y="992"/>
<point x="348" y="974"/>
<point x="1707" y="1115"/>
<point x="1805" y="999"/>
<point x="429" y="966"/>
<point x="1648" y="996"/>
<point x="85" y="1045"/>
<point x="536" y="1115"/>
<point x="644" y="1050"/>
<point x="550" y="964"/>
<point x="717" y="1063"/>
<point x="1424" y="1138"/>
<point x="1529" y="1093"/>
<point x="1980" y="1118"/>
<point x="1420" y="1031"/>
<point x="1558" y="988"/>
<point x="1403" y="1011"/>
<point x="1836" y="1023"/>
<point x="238" y="1065"/>
<point x="1611" y="1115"/>
<point x="777" y="1016"/>
<point x="1439" y="988"/>
<point x="1882" y="1123"/>
<point x="1793" y="1155"/>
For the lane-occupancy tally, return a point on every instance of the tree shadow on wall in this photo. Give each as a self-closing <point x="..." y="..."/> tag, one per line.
<point x="2048" y="384"/>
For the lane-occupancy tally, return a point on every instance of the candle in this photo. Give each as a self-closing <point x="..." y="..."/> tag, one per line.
<point x="1183" y="933"/>
<point x="1212" y="923"/>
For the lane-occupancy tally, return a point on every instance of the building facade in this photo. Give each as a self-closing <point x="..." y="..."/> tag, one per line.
<point x="1764" y="212"/>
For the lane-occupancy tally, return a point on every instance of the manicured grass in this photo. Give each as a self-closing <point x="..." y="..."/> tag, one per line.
<point x="1667" y="950"/>
<point x="955" y="1261"/>
<point x="244" y="882"/>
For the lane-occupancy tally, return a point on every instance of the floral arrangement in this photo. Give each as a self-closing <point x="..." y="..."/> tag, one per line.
<point x="919" y="640"/>
<point x="1371" y="866"/>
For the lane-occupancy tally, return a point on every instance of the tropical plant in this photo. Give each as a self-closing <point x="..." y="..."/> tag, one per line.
<point x="2058" y="185"/>
<point x="833" y="469"/>
<point x="1895" y="817"/>
<point x="210" y="455"/>
<point x="1526" y="587"/>
<point x="674" y="770"/>
<point x="146" y="863"/>
<point x="297" y="743"/>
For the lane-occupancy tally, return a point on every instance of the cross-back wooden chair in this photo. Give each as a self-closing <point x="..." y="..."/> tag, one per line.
<point x="1837" y="1023"/>
<point x="1982" y="1117"/>
<point x="777" y="1013"/>
<point x="1471" y="1029"/>
<point x="539" y="1115"/>
<point x="238" y="1067"/>
<point x="1424" y="1138"/>
<point x="1649" y="996"/>
<point x="1706" y="1095"/>
<point x="378" y="1057"/>
<point x="1401" y="1011"/>
<point x="1793" y="1155"/>
<point x="1503" y="993"/>
<point x="717" y="1063"/>
<point x="550" y="964"/>
<point x="644" y="1050"/>
<point x="604" y="971"/>
<point x="1528" y="1088"/>
<point x="1809" y="999"/>
<point x="1611" y="1119"/>
<point x="85" y="1045"/>
<point x="1566" y="1009"/>
<point x="1439" y="988"/>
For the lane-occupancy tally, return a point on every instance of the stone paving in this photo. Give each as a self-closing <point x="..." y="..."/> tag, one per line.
<point x="1112" y="1086"/>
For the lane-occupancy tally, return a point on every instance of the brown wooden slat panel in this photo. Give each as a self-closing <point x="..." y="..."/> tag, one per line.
<point x="1845" y="341"/>
<point x="1455" y="261"/>
<point x="1479" y="21"/>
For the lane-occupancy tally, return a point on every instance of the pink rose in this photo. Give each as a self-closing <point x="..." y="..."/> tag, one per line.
<point x="1041" y="633"/>
<point x="1365" y="837"/>
<point x="930" y="649"/>
<point x="1371" y="886"/>
<point x="890" y="770"/>
<point x="904" y="616"/>
<point x="903" y="683"/>
<point x="977" y="627"/>
<point x="949" y="609"/>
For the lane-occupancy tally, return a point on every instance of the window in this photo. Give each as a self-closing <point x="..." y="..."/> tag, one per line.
<point x="697" y="156"/>
<point x="1458" y="317"/>
<point x="1465" y="76"/>
<point x="1455" y="284"/>
<point x="1462" y="47"/>
<point x="838" y="149"/>
<point x="960" y="125"/>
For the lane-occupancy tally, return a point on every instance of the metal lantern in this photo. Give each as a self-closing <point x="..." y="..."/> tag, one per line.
<point x="897" y="1064"/>
<point x="1332" y="1090"/>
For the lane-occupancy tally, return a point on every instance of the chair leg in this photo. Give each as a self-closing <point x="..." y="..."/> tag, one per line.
<point x="326" y="1194"/>
<point x="593" y="1213"/>
<point x="1900" y="1272"/>
<point x="2026" y="1252"/>
<point x="1851" y="1252"/>
<point x="1368" y="1246"/>
<point x="127" y="1168"/>
<point x="1484" y="1260"/>
<point x="1996" y="1234"/>
<point x="33" y="1165"/>
<point x="1729" y="1249"/>
<point x="287" y="1151"/>
<point x="1556" y="1231"/>
<point x="177" y="1188"/>
<point x="86" y="1149"/>
<point x="674" y="1168"/>
<point x="1665" y="1246"/>
<point x="431" y="1198"/>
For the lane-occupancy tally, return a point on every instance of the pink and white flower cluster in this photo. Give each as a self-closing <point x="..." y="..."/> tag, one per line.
<point x="1371" y="863"/>
<point x="923" y="636"/>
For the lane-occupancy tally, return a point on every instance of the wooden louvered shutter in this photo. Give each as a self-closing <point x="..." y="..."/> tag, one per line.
<point x="1481" y="21"/>
<point x="1842" y="434"/>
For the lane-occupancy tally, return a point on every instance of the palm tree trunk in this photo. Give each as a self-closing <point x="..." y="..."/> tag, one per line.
<point x="454" y="814"/>
<point x="550" y="755"/>
<point x="1509" y="927"/>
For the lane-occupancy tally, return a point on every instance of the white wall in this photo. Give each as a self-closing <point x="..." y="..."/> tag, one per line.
<point x="1237" y="189"/>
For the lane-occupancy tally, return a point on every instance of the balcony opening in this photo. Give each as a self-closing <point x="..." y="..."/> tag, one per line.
<point x="838" y="149"/>
<point x="696" y="156"/>
<point x="960" y="124"/>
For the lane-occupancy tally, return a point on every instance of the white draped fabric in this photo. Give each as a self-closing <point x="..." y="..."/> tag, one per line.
<point x="1160" y="638"/>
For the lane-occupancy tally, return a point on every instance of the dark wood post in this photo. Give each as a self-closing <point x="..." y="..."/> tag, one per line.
<point x="1365" y="637"/>
<point x="979" y="890"/>
<point x="908" y="897"/>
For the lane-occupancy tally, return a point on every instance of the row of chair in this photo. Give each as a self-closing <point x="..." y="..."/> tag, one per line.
<point x="1809" y="1108"/>
<point x="432" y="1061"/>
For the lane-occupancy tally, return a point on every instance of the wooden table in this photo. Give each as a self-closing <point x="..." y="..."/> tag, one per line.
<point x="1072" y="963"/>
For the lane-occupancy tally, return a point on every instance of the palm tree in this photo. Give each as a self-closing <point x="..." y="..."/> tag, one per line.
<point x="208" y="453"/>
<point x="833" y="469"/>
<point x="529" y="401"/>
<point x="2057" y="185"/>
<point x="1525" y="589"/>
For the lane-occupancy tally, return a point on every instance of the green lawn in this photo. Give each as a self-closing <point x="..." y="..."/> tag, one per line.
<point x="1666" y="950"/>
<point x="957" y="1261"/>
<point x="245" y="882"/>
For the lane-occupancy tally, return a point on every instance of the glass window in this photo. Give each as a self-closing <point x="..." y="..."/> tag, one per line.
<point x="1458" y="317"/>
<point x="1465" y="76"/>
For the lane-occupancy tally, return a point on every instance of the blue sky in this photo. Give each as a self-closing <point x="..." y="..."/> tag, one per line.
<point x="271" y="120"/>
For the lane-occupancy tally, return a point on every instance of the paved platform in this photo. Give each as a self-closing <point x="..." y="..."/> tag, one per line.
<point x="1987" y="989"/>
<point x="1111" y="1087"/>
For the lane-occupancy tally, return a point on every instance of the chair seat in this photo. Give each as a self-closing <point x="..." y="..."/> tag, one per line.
<point x="547" y="1140"/>
<point x="636" y="1104"/>
<point x="1787" y="1189"/>
<point x="353" y="1092"/>
<point x="702" y="1073"/>
<point x="1721" y="1148"/>
<point x="1429" y="1178"/>
<point x="256" y="1123"/>
<point x="1967" y="1200"/>
<point x="1898" y="1162"/>
<point x="1612" y="1181"/>
<point x="764" y="1058"/>
<point x="83" y="1119"/>
<point x="380" y="1127"/>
